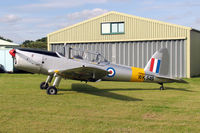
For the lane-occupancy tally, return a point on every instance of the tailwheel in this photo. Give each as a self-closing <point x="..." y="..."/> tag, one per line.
<point x="44" y="86"/>
<point x="52" y="90"/>
<point x="162" y="86"/>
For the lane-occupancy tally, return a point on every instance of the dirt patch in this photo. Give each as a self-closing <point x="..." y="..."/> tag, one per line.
<point x="150" y="116"/>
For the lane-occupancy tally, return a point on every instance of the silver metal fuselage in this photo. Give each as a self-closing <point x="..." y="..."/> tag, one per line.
<point x="44" y="64"/>
<point x="48" y="64"/>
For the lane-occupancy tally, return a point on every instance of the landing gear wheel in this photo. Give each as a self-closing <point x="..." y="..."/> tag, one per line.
<point x="161" y="88"/>
<point x="52" y="90"/>
<point x="44" y="86"/>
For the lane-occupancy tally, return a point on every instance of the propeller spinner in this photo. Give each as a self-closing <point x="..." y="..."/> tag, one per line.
<point x="12" y="52"/>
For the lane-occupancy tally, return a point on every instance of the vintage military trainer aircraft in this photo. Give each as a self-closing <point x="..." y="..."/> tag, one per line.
<point x="89" y="66"/>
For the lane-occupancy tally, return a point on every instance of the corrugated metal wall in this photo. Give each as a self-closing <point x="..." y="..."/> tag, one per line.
<point x="137" y="54"/>
<point x="136" y="28"/>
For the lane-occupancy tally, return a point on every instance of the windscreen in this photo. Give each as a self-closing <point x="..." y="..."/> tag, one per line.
<point x="87" y="55"/>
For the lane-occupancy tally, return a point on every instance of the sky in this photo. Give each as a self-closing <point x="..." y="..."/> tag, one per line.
<point x="22" y="20"/>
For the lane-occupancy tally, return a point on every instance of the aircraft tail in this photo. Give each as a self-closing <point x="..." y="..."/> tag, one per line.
<point x="159" y="63"/>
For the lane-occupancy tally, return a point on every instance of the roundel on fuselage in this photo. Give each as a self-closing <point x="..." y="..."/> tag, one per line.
<point x="111" y="72"/>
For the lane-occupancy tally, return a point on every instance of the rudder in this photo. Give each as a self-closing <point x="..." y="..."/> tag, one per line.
<point x="159" y="63"/>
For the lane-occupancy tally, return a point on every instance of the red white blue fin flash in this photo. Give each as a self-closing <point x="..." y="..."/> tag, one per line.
<point x="155" y="65"/>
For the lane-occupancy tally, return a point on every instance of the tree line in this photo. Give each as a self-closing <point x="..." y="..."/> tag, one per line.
<point x="39" y="44"/>
<point x="5" y="39"/>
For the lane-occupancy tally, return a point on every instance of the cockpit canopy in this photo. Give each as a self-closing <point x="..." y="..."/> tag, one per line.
<point x="74" y="53"/>
<point x="86" y="55"/>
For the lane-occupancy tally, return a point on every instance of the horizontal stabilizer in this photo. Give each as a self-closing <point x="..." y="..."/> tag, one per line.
<point x="168" y="80"/>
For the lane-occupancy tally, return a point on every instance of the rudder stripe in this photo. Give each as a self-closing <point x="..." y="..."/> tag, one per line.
<point x="152" y="64"/>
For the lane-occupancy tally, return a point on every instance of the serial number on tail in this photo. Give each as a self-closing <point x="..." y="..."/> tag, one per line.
<point x="146" y="77"/>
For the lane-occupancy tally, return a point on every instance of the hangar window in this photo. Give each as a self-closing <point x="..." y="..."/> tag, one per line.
<point x="112" y="28"/>
<point x="121" y="27"/>
<point x="105" y="28"/>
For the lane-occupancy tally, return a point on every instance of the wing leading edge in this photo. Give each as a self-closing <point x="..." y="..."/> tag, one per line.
<point x="83" y="73"/>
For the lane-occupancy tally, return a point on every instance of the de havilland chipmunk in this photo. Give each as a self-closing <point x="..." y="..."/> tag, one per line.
<point x="90" y="69"/>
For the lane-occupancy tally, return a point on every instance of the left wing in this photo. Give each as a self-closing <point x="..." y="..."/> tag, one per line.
<point x="83" y="73"/>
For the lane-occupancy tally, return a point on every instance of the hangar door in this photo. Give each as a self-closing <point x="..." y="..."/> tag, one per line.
<point x="138" y="53"/>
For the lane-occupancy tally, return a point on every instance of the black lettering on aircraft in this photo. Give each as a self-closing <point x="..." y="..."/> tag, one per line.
<point x="149" y="77"/>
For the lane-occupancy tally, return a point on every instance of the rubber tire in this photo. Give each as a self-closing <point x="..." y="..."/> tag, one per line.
<point x="161" y="88"/>
<point x="43" y="87"/>
<point x="52" y="90"/>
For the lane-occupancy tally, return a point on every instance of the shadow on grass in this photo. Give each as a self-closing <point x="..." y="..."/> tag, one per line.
<point x="85" y="88"/>
<point x="140" y="89"/>
<point x="178" y="89"/>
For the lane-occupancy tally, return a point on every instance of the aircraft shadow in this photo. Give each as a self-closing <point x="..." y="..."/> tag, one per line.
<point x="140" y="89"/>
<point x="178" y="89"/>
<point x="88" y="89"/>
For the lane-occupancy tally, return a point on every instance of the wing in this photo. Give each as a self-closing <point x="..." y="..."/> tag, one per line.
<point x="170" y="80"/>
<point x="84" y="73"/>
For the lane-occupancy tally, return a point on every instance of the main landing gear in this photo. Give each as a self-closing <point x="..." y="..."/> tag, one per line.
<point x="44" y="86"/>
<point x="162" y="86"/>
<point x="51" y="90"/>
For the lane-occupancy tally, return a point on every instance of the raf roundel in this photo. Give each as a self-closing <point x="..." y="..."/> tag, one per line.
<point x="111" y="72"/>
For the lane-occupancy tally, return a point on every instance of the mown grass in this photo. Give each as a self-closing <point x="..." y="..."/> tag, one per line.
<point x="97" y="107"/>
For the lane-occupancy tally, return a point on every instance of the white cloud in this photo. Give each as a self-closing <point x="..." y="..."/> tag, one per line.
<point x="86" y="14"/>
<point x="69" y="19"/>
<point x="165" y="5"/>
<point x="35" y="27"/>
<point x="10" y="18"/>
<point x="60" y="4"/>
<point x="148" y="2"/>
<point x="32" y="20"/>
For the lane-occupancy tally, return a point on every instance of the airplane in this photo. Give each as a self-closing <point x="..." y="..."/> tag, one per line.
<point x="89" y="66"/>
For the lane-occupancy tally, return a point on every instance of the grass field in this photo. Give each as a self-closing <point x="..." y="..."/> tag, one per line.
<point x="97" y="107"/>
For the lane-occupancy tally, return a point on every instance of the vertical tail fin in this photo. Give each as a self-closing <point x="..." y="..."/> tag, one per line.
<point x="159" y="63"/>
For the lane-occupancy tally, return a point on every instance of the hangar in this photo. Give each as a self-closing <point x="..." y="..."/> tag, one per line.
<point x="6" y="60"/>
<point x="130" y="40"/>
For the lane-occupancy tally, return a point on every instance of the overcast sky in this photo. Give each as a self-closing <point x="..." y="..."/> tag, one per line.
<point x="32" y="19"/>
